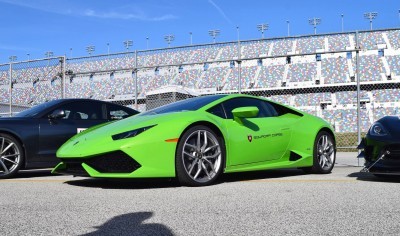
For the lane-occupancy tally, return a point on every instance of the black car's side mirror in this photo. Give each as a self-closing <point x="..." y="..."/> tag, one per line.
<point x="57" y="114"/>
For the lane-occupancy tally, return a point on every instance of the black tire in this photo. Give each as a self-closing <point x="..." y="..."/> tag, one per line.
<point x="199" y="163"/>
<point x="328" y="154"/>
<point x="11" y="156"/>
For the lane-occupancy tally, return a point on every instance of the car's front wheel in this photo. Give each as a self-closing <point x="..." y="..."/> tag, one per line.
<point x="11" y="156"/>
<point x="200" y="156"/>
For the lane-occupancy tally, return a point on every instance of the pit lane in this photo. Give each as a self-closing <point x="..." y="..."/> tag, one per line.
<point x="281" y="202"/>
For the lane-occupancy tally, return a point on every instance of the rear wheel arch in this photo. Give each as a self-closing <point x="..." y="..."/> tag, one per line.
<point x="14" y="155"/>
<point x="20" y="142"/>
<point x="330" y="132"/>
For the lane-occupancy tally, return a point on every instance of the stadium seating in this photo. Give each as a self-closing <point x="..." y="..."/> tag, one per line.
<point x="338" y="42"/>
<point x="282" y="66"/>
<point x="370" y="68"/>
<point x="302" y="72"/>
<point x="370" y="40"/>
<point x="309" y="44"/>
<point x="335" y="70"/>
<point x="394" y="36"/>
<point x="270" y="76"/>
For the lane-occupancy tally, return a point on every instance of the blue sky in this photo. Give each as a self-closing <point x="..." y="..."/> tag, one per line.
<point x="36" y="26"/>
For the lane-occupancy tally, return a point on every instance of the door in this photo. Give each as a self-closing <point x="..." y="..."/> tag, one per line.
<point x="79" y="115"/>
<point x="258" y="139"/>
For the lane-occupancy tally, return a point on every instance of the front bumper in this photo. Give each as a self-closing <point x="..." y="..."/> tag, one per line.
<point x="381" y="157"/>
<point x="116" y="162"/>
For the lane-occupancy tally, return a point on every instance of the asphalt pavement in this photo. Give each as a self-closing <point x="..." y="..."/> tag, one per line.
<point x="278" y="202"/>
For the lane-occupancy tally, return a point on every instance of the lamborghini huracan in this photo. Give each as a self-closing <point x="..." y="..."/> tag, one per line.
<point x="197" y="139"/>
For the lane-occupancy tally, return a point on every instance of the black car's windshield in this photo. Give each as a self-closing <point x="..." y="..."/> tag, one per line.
<point x="190" y="104"/>
<point x="30" y="112"/>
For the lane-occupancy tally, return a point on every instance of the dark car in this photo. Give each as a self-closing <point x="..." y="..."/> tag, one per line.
<point x="30" y="139"/>
<point x="381" y="147"/>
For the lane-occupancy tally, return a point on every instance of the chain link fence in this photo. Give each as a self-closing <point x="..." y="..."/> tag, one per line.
<point x="28" y="83"/>
<point x="349" y="79"/>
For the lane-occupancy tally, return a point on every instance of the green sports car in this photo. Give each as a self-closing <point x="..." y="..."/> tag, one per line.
<point x="197" y="139"/>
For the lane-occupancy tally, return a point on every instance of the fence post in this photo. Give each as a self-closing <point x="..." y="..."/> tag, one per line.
<point x="11" y="86"/>
<point x="63" y="76"/>
<point x="358" y="93"/>
<point x="136" y="77"/>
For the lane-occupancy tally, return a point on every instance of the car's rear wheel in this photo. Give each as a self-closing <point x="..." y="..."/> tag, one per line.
<point x="11" y="156"/>
<point x="324" y="154"/>
<point x="200" y="156"/>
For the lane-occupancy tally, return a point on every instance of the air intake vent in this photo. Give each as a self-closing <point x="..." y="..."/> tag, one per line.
<point x="294" y="156"/>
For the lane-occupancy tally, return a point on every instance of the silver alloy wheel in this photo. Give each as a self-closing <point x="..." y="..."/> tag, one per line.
<point x="326" y="152"/>
<point x="9" y="156"/>
<point x="201" y="156"/>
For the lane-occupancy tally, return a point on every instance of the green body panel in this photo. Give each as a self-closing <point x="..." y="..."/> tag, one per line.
<point x="251" y="143"/>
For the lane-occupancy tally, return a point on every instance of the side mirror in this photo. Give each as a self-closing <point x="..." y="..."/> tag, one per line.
<point x="244" y="112"/>
<point x="57" y="114"/>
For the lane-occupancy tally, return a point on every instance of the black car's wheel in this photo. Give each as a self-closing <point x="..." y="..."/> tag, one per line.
<point x="200" y="156"/>
<point x="11" y="156"/>
<point x="324" y="154"/>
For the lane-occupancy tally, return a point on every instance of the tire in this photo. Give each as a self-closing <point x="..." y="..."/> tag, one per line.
<point x="324" y="155"/>
<point x="11" y="156"/>
<point x="200" y="157"/>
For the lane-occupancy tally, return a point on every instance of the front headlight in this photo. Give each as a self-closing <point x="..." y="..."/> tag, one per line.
<point x="131" y="133"/>
<point x="377" y="130"/>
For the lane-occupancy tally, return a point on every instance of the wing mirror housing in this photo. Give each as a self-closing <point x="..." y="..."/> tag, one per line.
<point x="57" y="114"/>
<point x="244" y="112"/>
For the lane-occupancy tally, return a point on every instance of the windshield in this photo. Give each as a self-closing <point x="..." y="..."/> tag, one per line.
<point x="190" y="104"/>
<point x="30" y="112"/>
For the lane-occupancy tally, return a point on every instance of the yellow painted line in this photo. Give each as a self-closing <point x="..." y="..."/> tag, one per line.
<point x="33" y="180"/>
<point x="301" y="180"/>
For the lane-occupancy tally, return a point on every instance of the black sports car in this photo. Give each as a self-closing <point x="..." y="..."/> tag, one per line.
<point x="30" y="139"/>
<point x="381" y="147"/>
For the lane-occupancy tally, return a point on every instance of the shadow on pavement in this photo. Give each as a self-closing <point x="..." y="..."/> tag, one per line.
<point x="173" y="183"/>
<point x="23" y="174"/>
<point x="259" y="175"/>
<point x="131" y="224"/>
<point x="125" y="183"/>
<point x="365" y="176"/>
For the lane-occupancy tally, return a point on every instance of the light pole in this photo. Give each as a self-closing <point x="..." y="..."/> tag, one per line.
<point x="169" y="38"/>
<point x="29" y="56"/>
<point x="48" y="54"/>
<point x="191" y="38"/>
<point x="147" y="43"/>
<point x="214" y="33"/>
<point x="262" y="27"/>
<point x="370" y="16"/>
<point x="70" y="52"/>
<point x="13" y="58"/>
<point x="342" y="22"/>
<point x="314" y="21"/>
<point x="127" y="44"/>
<point x="288" y="27"/>
<point x="90" y="49"/>
<point x="108" y="48"/>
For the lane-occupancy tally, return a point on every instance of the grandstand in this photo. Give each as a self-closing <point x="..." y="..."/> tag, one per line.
<point x="314" y="73"/>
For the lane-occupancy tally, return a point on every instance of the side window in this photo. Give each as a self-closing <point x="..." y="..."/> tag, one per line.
<point x="82" y="110"/>
<point x="115" y="112"/>
<point x="217" y="110"/>
<point x="271" y="108"/>
<point x="265" y="109"/>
